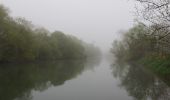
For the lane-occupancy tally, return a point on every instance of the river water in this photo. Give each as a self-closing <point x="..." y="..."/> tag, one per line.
<point x="98" y="79"/>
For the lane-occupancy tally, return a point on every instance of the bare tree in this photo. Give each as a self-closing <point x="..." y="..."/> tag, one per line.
<point x="157" y="12"/>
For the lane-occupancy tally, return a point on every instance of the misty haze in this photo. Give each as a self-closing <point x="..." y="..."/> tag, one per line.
<point x="84" y="49"/>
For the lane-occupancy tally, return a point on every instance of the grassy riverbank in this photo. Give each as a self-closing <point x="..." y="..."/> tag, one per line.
<point x="159" y="65"/>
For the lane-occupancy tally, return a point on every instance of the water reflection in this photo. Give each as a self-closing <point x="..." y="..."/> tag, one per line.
<point x="140" y="83"/>
<point x="18" y="80"/>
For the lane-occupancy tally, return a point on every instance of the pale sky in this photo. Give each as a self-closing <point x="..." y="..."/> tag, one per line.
<point x="94" y="21"/>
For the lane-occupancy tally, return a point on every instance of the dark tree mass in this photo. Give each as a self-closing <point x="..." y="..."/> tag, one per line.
<point x="21" y="41"/>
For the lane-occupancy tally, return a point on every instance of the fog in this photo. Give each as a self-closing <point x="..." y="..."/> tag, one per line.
<point x="94" y="21"/>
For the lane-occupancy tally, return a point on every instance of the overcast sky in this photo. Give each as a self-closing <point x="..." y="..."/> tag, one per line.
<point x="94" y="21"/>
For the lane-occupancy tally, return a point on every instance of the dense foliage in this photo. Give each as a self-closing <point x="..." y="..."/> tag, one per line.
<point x="148" y="42"/>
<point x="134" y="45"/>
<point x="21" y="41"/>
<point x="144" y="49"/>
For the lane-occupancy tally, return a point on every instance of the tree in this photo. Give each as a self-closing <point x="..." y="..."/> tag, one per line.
<point x="21" y="41"/>
<point x="157" y="13"/>
<point x="134" y="45"/>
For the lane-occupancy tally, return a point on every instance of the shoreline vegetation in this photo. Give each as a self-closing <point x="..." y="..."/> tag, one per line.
<point x="21" y="41"/>
<point x="148" y="42"/>
<point x="137" y="47"/>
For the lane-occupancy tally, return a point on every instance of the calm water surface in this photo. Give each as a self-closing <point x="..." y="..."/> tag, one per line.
<point x="80" y="80"/>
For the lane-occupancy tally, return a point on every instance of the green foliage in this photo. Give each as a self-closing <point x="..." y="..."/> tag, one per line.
<point x="138" y="47"/>
<point x="134" y="45"/>
<point x="157" y="64"/>
<point x="21" y="41"/>
<point x="119" y="50"/>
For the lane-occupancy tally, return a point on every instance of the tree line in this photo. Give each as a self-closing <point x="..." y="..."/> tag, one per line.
<point x="134" y="44"/>
<point x="20" y="40"/>
<point x="147" y="42"/>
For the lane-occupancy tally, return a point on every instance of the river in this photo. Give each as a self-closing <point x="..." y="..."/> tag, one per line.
<point x="98" y="79"/>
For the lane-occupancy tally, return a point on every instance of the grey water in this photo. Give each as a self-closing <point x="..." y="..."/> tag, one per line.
<point x="98" y="79"/>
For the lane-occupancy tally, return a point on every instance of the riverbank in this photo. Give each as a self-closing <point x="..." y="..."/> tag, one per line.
<point x="159" y="65"/>
<point x="145" y="50"/>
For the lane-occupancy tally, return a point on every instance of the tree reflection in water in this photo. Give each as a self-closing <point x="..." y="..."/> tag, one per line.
<point x="19" y="80"/>
<point x="140" y="83"/>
